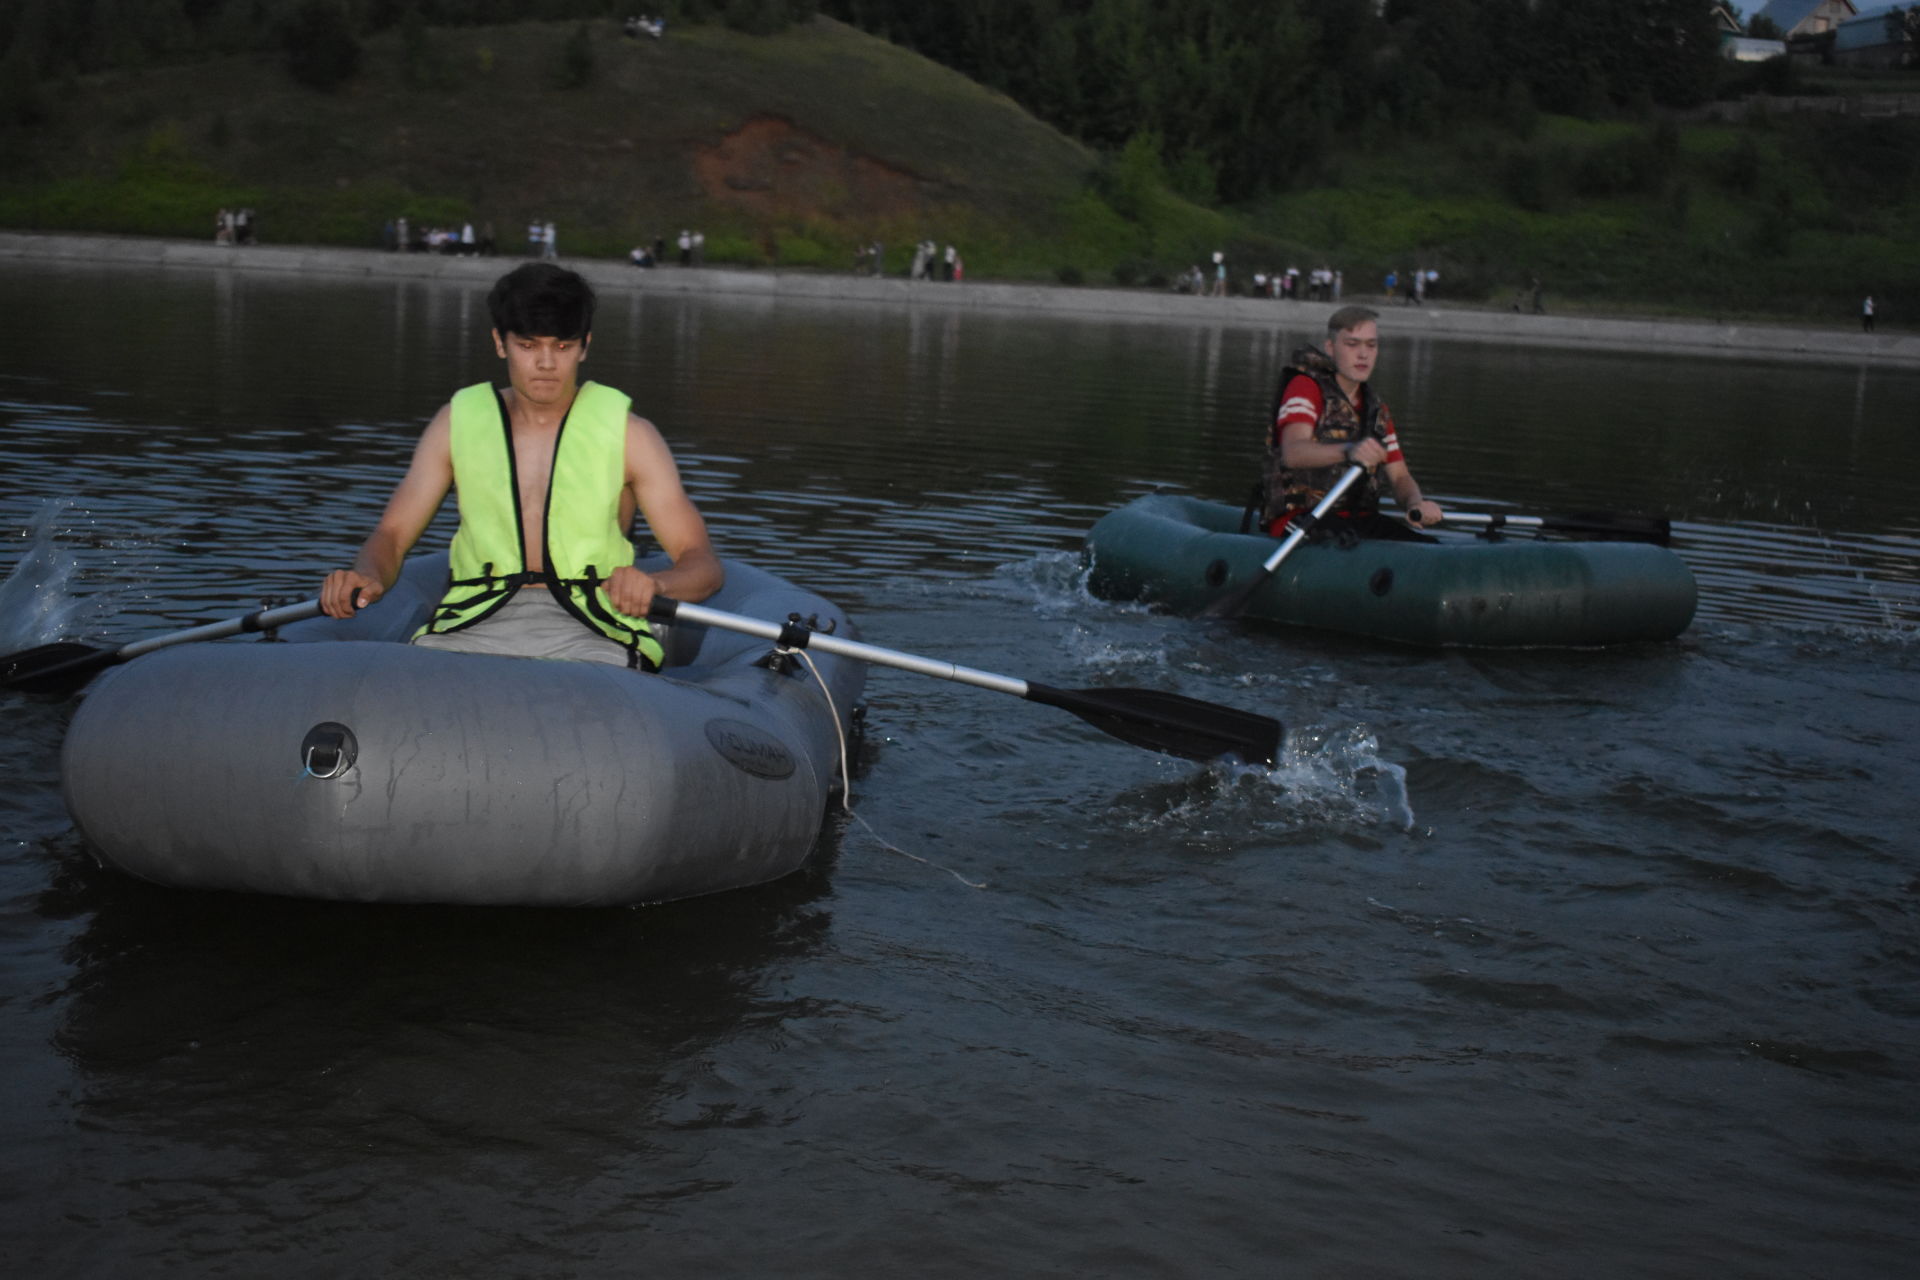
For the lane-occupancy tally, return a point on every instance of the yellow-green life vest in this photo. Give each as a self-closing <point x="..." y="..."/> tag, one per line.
<point x="584" y="541"/>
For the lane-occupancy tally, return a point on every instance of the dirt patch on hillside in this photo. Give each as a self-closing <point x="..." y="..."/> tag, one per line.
<point x="774" y="170"/>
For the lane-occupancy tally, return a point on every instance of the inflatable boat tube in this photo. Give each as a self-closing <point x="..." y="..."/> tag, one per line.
<point x="339" y="762"/>
<point x="1183" y="553"/>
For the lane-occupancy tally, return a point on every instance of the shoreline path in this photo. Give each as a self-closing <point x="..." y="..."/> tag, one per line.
<point x="1747" y="339"/>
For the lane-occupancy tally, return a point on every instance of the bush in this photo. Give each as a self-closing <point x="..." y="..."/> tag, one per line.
<point x="421" y="63"/>
<point x="22" y="100"/>
<point x="1625" y="166"/>
<point x="761" y="17"/>
<point x="576" y="60"/>
<point x="1069" y="275"/>
<point x="321" y="49"/>
<point x="1527" y="180"/>
<point x="743" y="251"/>
<point x="1741" y="169"/>
<point x="1517" y="110"/>
<point x="802" y="251"/>
<point x="1772" y="235"/>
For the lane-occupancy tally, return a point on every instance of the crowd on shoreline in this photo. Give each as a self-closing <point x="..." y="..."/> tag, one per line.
<point x="240" y="227"/>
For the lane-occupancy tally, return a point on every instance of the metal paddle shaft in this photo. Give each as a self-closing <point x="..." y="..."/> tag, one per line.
<point x="1603" y="525"/>
<point x="1233" y="603"/>
<point x="1169" y="722"/>
<point x="52" y="668"/>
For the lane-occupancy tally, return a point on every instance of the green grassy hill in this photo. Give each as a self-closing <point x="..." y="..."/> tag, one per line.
<point x="787" y="149"/>
<point x="791" y="149"/>
<point x="1796" y="217"/>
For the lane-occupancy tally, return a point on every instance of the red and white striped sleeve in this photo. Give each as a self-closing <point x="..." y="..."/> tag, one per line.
<point x="1389" y="437"/>
<point x="1300" y="401"/>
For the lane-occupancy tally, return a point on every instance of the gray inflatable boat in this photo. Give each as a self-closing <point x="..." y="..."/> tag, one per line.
<point x="342" y="763"/>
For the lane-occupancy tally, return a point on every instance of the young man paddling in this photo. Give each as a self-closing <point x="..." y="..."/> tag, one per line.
<point x="1325" y="418"/>
<point x="547" y="474"/>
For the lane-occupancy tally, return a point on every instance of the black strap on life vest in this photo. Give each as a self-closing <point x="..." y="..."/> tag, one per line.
<point x="500" y="585"/>
<point x="636" y="660"/>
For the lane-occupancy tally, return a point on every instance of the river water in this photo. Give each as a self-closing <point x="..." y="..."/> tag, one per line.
<point x="1595" y="963"/>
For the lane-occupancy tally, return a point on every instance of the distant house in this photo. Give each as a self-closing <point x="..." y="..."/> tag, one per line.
<point x="1751" y="49"/>
<point x="1796" y="18"/>
<point x="1884" y="39"/>
<point x="1736" y="46"/>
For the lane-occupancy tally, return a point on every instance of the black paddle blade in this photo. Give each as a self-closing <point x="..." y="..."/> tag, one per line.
<point x="1612" y="526"/>
<point x="1170" y="722"/>
<point x="1233" y="603"/>
<point x="52" y="668"/>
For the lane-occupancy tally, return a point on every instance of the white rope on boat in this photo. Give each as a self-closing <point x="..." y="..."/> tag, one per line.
<point x="846" y="776"/>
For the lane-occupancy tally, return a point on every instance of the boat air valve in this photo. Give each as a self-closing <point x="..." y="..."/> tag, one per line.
<point x="1381" y="582"/>
<point x="1216" y="573"/>
<point x="328" y="751"/>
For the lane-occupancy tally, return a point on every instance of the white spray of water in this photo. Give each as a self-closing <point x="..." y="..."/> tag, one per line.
<point x="37" y="604"/>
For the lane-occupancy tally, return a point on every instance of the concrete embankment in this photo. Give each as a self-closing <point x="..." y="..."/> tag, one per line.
<point x="1438" y="319"/>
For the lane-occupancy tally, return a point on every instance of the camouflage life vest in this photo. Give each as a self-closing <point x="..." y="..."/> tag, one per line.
<point x="1298" y="489"/>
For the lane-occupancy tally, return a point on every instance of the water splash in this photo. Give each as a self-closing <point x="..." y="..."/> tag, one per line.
<point x="1052" y="582"/>
<point x="1343" y="771"/>
<point x="1325" y="778"/>
<point x="37" y="604"/>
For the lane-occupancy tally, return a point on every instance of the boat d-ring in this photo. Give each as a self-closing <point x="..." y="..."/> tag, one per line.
<point x="328" y="751"/>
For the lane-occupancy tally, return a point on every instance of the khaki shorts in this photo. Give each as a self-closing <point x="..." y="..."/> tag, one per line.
<point x="533" y="625"/>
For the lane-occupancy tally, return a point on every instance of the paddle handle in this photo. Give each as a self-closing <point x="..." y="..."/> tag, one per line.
<point x="1232" y="603"/>
<point x="1593" y="524"/>
<point x="795" y="636"/>
<point x="1495" y="521"/>
<point x="1166" y="722"/>
<point x="1297" y="536"/>
<point x="264" y="620"/>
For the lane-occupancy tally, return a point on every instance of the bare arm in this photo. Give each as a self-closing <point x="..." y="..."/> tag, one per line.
<point x="413" y="504"/>
<point x="1299" y="449"/>
<point x="1406" y="491"/>
<point x="654" y="481"/>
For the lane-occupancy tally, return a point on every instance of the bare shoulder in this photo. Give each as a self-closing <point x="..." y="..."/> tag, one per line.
<point x="644" y="439"/>
<point x="438" y="435"/>
<point x="648" y="456"/>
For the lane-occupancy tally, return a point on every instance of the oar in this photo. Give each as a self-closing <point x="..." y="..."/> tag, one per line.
<point x="1232" y="603"/>
<point x="1588" y="524"/>
<point x="1169" y="722"/>
<point x="66" y="664"/>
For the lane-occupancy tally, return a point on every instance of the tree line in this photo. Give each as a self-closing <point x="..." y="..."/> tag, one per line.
<point x="1240" y="96"/>
<point x="1236" y="98"/>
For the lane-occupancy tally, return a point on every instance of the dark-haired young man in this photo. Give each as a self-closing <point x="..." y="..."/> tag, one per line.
<point x="548" y="474"/>
<point x="1325" y="418"/>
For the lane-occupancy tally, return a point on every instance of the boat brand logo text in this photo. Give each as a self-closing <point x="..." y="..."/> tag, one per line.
<point x="750" y="748"/>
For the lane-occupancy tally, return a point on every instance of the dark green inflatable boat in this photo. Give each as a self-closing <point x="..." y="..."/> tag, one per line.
<point x="1184" y="553"/>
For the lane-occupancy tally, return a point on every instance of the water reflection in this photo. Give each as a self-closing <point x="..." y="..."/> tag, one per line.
<point x="322" y="1036"/>
<point x="1647" y="895"/>
<point x="262" y="420"/>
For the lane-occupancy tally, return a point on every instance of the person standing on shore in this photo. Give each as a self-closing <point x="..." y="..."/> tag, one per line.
<point x="1866" y="315"/>
<point x="548" y="473"/>
<point x="1325" y="419"/>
